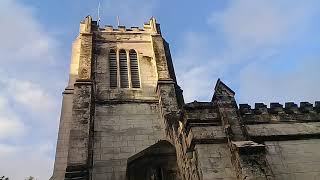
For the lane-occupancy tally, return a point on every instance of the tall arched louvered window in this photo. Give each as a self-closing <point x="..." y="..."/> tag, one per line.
<point x="134" y="68"/>
<point x="124" y="83"/>
<point x="113" y="69"/>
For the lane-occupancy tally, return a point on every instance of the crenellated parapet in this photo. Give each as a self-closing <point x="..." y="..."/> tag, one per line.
<point x="119" y="29"/>
<point x="151" y="27"/>
<point x="281" y="123"/>
<point x="276" y="113"/>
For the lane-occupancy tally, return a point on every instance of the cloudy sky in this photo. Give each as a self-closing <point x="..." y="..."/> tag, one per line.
<point x="265" y="50"/>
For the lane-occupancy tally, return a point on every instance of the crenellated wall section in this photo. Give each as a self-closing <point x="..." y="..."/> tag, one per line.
<point x="291" y="135"/>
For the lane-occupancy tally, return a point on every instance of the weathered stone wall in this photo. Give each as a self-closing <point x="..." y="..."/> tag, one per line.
<point x="80" y="127"/>
<point x="121" y="131"/>
<point x="291" y="136"/>
<point x="60" y="164"/>
<point x="126" y="121"/>
<point x="80" y="83"/>
<point x="215" y="162"/>
<point x="147" y="67"/>
<point x="66" y="115"/>
<point x="296" y="159"/>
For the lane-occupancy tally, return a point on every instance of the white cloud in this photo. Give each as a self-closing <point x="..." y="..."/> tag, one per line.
<point x="198" y="66"/>
<point x="195" y="83"/>
<point x="28" y="102"/>
<point x="257" y="33"/>
<point x="261" y="83"/>
<point x="247" y="32"/>
<point x="260" y="24"/>
<point x="10" y="124"/>
<point x="31" y="160"/>
<point x="22" y="37"/>
<point x="31" y="95"/>
<point x="24" y="161"/>
<point x="6" y="150"/>
<point x="10" y="127"/>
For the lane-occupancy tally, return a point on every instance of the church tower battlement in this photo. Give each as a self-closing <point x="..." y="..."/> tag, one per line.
<point x="123" y="117"/>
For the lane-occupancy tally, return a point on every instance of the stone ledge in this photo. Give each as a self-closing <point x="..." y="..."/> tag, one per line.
<point x="165" y="81"/>
<point x="267" y="132"/>
<point x="193" y="123"/>
<point x="77" y="172"/>
<point x="86" y="34"/>
<point x="248" y="147"/>
<point x="83" y="82"/>
<point x="121" y="41"/>
<point x="195" y="105"/>
<point x="125" y="101"/>
<point x="68" y="91"/>
<point x="206" y="135"/>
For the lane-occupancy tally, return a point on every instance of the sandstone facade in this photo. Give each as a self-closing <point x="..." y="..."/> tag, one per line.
<point x="124" y="118"/>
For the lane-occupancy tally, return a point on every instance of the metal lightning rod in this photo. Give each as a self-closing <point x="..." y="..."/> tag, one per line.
<point x="99" y="13"/>
<point x="118" y="20"/>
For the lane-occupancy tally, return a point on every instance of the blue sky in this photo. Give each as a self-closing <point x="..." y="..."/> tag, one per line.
<point x="265" y="50"/>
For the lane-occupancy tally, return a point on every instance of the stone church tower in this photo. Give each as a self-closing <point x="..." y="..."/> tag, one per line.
<point x="124" y="118"/>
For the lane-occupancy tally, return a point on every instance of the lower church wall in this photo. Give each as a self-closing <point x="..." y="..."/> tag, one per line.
<point x="215" y="161"/>
<point x="295" y="159"/>
<point x="187" y="166"/>
<point x="121" y="131"/>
